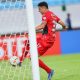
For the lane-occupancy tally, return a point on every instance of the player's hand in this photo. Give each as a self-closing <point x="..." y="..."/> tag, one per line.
<point x="65" y="28"/>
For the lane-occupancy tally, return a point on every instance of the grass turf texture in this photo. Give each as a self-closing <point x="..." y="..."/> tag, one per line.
<point x="67" y="67"/>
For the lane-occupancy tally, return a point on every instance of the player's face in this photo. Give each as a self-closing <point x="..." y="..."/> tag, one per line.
<point x="42" y="10"/>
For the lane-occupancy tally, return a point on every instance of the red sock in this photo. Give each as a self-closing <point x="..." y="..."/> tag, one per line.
<point x="23" y="57"/>
<point x="24" y="53"/>
<point x="44" y="66"/>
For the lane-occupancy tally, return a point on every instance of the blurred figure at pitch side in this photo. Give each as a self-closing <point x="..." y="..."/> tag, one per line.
<point x="68" y="21"/>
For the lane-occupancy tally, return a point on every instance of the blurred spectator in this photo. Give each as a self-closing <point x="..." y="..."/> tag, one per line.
<point x="63" y="5"/>
<point x="68" y="21"/>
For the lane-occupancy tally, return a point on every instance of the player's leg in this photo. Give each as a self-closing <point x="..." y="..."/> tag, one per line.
<point x="26" y="49"/>
<point x="25" y="52"/>
<point x="43" y="47"/>
<point x="23" y="57"/>
<point x="46" y="68"/>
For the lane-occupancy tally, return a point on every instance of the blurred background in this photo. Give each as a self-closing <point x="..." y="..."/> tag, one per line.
<point x="68" y="10"/>
<point x="13" y="22"/>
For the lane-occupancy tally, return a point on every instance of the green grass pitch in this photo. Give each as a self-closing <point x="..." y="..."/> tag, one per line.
<point x="66" y="67"/>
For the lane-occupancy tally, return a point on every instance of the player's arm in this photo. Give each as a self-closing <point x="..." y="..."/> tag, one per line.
<point x="62" y="24"/>
<point x="59" y="21"/>
<point x="41" y="26"/>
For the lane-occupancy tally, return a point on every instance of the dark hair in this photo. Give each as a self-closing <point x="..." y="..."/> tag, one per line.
<point x="43" y="4"/>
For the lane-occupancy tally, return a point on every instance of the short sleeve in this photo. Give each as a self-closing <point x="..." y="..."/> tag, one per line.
<point x="44" y="18"/>
<point x="55" y="18"/>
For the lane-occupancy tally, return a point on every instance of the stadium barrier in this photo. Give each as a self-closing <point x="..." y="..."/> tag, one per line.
<point x="70" y="42"/>
<point x="66" y="42"/>
<point x="14" y="45"/>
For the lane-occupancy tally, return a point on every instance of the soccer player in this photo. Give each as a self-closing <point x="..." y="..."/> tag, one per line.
<point x="46" y="40"/>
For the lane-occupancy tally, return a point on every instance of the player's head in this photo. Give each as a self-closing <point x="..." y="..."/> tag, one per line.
<point x="43" y="6"/>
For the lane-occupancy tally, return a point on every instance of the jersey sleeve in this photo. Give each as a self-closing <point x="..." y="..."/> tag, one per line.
<point x="56" y="18"/>
<point x="44" y="18"/>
